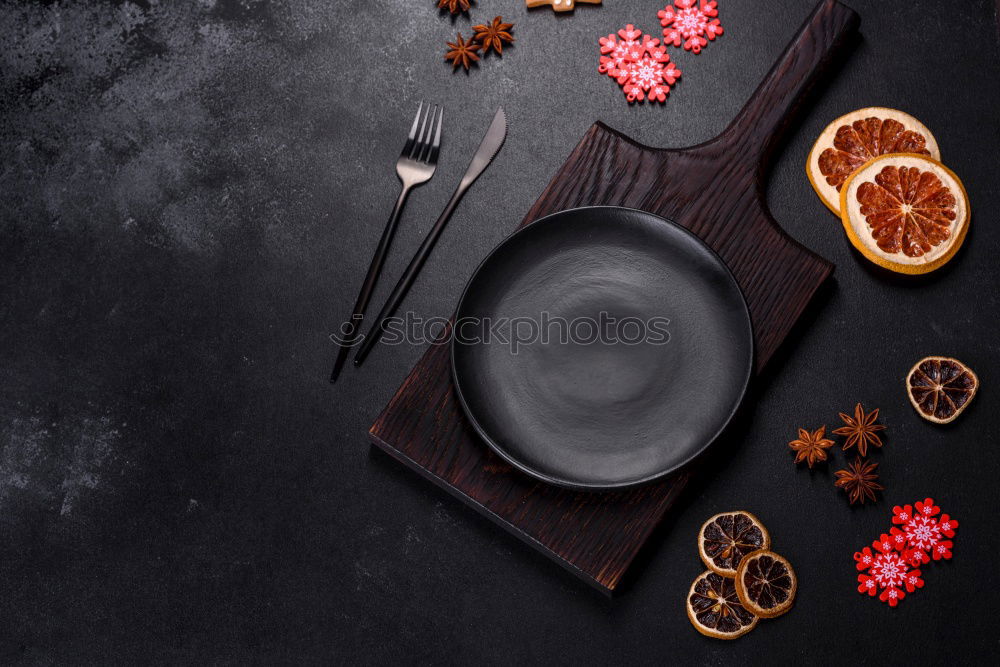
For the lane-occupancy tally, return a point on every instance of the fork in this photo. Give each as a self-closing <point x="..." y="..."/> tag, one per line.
<point x="416" y="165"/>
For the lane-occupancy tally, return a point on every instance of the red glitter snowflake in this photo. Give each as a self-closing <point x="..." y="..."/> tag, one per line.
<point x="614" y="55"/>
<point x="925" y="531"/>
<point x="892" y="567"/>
<point x="639" y="64"/>
<point x="687" y="22"/>
<point x="886" y="570"/>
<point x="628" y="46"/>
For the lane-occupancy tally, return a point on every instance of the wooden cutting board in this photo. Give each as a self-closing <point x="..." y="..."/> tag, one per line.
<point x="715" y="190"/>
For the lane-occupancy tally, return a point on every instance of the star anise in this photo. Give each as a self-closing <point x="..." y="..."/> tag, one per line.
<point x="860" y="430"/>
<point x="493" y="35"/>
<point x="811" y="447"/>
<point x="454" y="6"/>
<point x="859" y="481"/>
<point x="462" y="52"/>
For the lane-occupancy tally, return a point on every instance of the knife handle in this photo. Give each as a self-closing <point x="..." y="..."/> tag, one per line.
<point x="409" y="276"/>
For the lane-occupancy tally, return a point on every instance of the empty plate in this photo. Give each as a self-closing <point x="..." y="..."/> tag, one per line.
<point x="601" y="347"/>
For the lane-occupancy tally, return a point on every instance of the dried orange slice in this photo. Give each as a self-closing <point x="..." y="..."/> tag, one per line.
<point x="854" y="138"/>
<point x="905" y="212"/>
<point x="727" y="537"/>
<point x="766" y="584"/>
<point x="940" y="388"/>
<point x="714" y="608"/>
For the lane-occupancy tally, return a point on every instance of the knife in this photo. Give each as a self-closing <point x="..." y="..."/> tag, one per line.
<point x="487" y="150"/>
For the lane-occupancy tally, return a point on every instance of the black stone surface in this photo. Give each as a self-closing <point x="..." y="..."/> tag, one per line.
<point x="190" y="194"/>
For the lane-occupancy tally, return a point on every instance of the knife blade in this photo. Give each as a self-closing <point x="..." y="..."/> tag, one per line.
<point x="488" y="148"/>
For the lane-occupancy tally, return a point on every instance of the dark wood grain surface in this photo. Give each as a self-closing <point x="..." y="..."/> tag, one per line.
<point x="713" y="189"/>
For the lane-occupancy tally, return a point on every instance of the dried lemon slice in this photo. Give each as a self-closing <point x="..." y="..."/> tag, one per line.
<point x="905" y="212"/>
<point x="714" y="608"/>
<point x="940" y="388"/>
<point x="766" y="584"/>
<point x="854" y="138"/>
<point x="727" y="537"/>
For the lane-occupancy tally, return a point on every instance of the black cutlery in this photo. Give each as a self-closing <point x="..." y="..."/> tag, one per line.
<point x="488" y="148"/>
<point x="415" y="166"/>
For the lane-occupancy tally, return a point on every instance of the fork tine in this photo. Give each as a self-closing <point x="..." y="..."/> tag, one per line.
<point x="421" y="138"/>
<point x="425" y="141"/>
<point x="411" y="139"/>
<point x="432" y="156"/>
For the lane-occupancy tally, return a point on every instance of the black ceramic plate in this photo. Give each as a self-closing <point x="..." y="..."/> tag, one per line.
<point x="647" y="354"/>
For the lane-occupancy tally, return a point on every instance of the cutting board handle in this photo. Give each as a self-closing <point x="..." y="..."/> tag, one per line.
<point x="759" y="124"/>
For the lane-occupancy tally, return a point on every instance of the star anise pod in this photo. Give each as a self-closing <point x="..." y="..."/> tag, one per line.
<point x="859" y="481"/>
<point x="860" y="430"/>
<point x="462" y="52"/>
<point x="493" y="35"/>
<point x="454" y="6"/>
<point x="811" y="447"/>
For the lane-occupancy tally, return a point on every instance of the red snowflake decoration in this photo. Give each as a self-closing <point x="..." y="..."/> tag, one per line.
<point x="639" y="64"/>
<point x="887" y="571"/>
<point x="892" y="569"/>
<point x="689" y="23"/>
<point x="614" y="55"/>
<point x="925" y="531"/>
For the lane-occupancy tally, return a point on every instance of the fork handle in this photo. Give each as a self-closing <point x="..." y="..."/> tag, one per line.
<point x="350" y="328"/>
<point x="409" y="276"/>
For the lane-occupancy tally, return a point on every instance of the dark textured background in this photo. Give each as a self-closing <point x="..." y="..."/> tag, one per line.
<point x="191" y="192"/>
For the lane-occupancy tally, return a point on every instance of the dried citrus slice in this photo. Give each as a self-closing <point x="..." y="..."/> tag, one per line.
<point x="854" y="138"/>
<point x="905" y="212"/>
<point x="714" y="607"/>
<point x="940" y="388"/>
<point x="727" y="537"/>
<point x="766" y="584"/>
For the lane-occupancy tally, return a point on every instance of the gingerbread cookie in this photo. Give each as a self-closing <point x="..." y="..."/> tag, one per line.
<point x="561" y="5"/>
